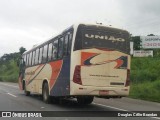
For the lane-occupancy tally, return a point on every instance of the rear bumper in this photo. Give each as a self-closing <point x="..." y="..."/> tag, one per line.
<point x="77" y="89"/>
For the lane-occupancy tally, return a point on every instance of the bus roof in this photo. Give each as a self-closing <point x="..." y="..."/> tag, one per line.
<point x="73" y="26"/>
<point x="38" y="45"/>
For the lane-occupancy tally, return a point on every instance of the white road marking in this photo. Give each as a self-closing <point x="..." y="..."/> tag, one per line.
<point x="11" y="95"/>
<point x="9" y="85"/>
<point x="156" y="118"/>
<point x="120" y="109"/>
<point x="110" y="107"/>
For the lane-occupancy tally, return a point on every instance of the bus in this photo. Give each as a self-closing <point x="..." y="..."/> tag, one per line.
<point x="82" y="62"/>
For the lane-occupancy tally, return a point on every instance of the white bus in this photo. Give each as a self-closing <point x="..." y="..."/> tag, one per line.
<point x="81" y="62"/>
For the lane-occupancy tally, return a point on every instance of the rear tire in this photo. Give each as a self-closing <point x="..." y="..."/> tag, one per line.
<point x="84" y="100"/>
<point x="45" y="93"/>
<point x="27" y="93"/>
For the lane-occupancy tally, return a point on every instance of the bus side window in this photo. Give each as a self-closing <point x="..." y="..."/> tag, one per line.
<point x="70" y="43"/>
<point x="55" y="49"/>
<point x="66" y="45"/>
<point x="60" y="47"/>
<point x="40" y="55"/>
<point x="50" y="51"/>
<point x="33" y="58"/>
<point x="44" y="58"/>
<point x="27" y="59"/>
<point x="30" y="59"/>
<point x="36" y="56"/>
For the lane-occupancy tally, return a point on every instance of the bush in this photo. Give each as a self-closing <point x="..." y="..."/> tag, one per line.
<point x="1" y="79"/>
<point x="145" y="69"/>
<point x="146" y="91"/>
<point x="9" y="73"/>
<point x="145" y="77"/>
<point x="11" y="78"/>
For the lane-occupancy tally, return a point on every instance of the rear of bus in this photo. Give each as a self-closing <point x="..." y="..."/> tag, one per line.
<point x="100" y="62"/>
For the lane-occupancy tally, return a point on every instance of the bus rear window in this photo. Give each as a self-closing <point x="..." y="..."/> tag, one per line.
<point x="102" y="39"/>
<point x="105" y="38"/>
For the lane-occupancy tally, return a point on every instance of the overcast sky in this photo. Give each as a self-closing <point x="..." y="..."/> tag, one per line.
<point x="29" y="22"/>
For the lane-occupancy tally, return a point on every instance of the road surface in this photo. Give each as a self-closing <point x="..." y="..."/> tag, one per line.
<point x="12" y="99"/>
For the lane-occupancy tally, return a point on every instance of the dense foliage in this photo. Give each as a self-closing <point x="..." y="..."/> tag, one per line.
<point x="9" y="66"/>
<point x="145" y="77"/>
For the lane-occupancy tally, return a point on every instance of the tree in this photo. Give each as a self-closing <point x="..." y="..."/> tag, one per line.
<point x="151" y="35"/>
<point x="136" y="40"/>
<point x="22" y="50"/>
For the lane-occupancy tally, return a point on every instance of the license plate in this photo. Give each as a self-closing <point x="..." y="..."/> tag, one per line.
<point x="103" y="92"/>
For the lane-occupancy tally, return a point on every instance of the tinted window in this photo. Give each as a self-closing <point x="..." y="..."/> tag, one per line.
<point x="105" y="39"/>
<point x="60" y="47"/>
<point x="36" y="56"/>
<point x="50" y="51"/>
<point x="27" y="60"/>
<point x="55" y="49"/>
<point x="44" y="58"/>
<point x="101" y="37"/>
<point x="33" y="57"/>
<point x="40" y="55"/>
<point x="70" y="43"/>
<point x="66" y="45"/>
<point x="30" y="59"/>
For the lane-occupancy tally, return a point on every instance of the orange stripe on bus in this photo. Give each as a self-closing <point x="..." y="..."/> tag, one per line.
<point x="85" y="56"/>
<point x="56" y="68"/>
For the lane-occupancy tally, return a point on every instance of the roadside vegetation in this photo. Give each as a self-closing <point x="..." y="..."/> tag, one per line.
<point x="145" y="78"/>
<point x="9" y="66"/>
<point x="145" y="74"/>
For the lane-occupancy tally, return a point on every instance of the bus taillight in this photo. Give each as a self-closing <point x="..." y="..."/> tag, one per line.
<point x="77" y="75"/>
<point x="128" y="78"/>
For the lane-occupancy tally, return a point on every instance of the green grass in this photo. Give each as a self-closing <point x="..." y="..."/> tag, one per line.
<point x="145" y="69"/>
<point x="9" y="72"/>
<point x="146" y="91"/>
<point x="145" y="79"/>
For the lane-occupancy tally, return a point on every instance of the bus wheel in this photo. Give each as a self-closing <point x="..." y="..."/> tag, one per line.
<point x="27" y="93"/>
<point x="84" y="100"/>
<point x="45" y="93"/>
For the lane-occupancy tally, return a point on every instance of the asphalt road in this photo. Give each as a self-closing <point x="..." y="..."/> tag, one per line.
<point x="12" y="99"/>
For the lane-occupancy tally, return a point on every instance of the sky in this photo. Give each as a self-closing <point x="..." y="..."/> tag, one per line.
<point x="30" y="22"/>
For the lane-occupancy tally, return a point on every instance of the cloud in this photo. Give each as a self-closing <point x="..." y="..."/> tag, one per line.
<point x="25" y="23"/>
<point x="29" y="22"/>
<point x="141" y="17"/>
